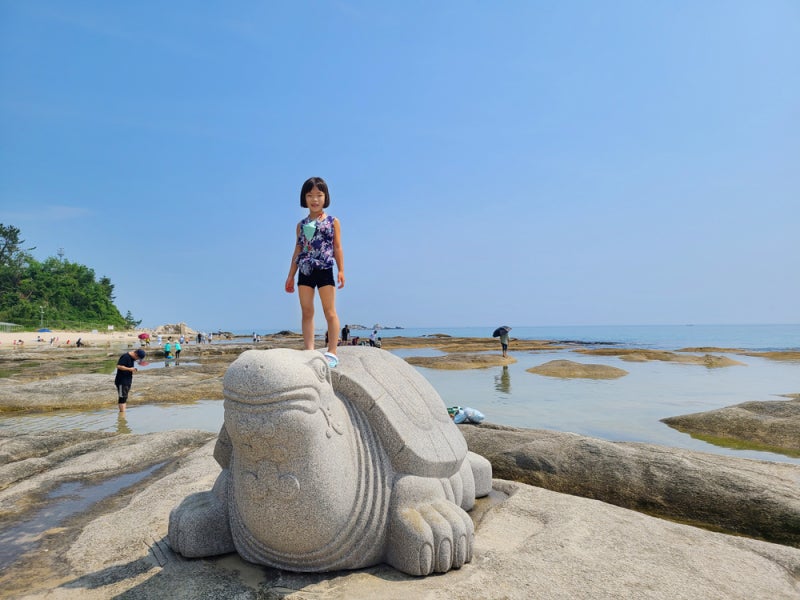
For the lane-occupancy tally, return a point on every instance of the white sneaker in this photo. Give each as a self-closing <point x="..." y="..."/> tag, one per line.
<point x="332" y="359"/>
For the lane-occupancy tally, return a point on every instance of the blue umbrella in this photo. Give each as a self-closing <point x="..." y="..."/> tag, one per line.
<point x="501" y="330"/>
<point x="43" y="329"/>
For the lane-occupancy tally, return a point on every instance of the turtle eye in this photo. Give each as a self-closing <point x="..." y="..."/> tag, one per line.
<point x="321" y="369"/>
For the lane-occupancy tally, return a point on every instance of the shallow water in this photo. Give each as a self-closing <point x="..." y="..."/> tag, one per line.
<point x="625" y="409"/>
<point x="67" y="499"/>
<point x="205" y="415"/>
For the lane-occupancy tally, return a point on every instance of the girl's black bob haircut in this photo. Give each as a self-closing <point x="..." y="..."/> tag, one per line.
<point x="310" y="184"/>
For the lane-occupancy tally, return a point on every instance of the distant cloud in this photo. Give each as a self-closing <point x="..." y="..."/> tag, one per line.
<point x="55" y="212"/>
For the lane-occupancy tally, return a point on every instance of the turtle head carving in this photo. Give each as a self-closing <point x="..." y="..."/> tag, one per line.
<point x="281" y="375"/>
<point x="267" y="392"/>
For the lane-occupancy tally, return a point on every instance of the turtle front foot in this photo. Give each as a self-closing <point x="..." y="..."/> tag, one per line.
<point x="199" y="525"/>
<point x="427" y="532"/>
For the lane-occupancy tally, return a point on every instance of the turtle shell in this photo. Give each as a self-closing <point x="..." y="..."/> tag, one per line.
<point x="403" y="408"/>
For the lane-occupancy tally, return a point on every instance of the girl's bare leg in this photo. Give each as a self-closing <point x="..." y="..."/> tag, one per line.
<point x="306" y="295"/>
<point x="327" y="295"/>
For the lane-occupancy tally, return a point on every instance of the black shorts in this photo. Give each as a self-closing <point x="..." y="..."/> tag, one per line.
<point x="122" y="393"/>
<point x="317" y="278"/>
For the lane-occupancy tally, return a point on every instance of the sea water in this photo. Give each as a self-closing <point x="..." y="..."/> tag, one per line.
<point x="624" y="409"/>
<point x="668" y="337"/>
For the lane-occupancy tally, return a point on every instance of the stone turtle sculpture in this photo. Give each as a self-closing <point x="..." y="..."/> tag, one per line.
<point x="326" y="469"/>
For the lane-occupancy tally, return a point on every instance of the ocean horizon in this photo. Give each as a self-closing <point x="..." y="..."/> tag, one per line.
<point x="756" y="337"/>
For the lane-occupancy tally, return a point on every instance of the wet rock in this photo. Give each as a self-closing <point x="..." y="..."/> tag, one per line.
<point x="567" y="369"/>
<point x="446" y="343"/>
<point x="461" y="361"/>
<point x="33" y="463"/>
<point x="708" y="349"/>
<point x="785" y="355"/>
<point x="773" y="425"/>
<point x="756" y="498"/>
<point x="532" y="543"/>
<point x="710" y="361"/>
<point x="93" y="390"/>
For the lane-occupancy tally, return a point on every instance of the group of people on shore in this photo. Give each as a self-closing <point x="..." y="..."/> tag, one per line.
<point x="53" y="341"/>
<point x="345" y="339"/>
<point x="200" y="338"/>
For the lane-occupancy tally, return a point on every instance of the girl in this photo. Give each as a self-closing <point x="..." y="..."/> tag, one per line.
<point x="318" y="244"/>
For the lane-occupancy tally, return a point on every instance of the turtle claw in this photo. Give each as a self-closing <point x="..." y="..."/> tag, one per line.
<point x="430" y="537"/>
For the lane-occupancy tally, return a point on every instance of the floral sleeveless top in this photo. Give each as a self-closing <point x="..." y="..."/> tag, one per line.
<point x="316" y="244"/>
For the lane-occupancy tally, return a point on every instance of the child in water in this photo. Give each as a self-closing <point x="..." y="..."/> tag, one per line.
<point x="318" y="244"/>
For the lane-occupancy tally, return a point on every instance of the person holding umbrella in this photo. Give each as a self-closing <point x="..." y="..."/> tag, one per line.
<point x="502" y="333"/>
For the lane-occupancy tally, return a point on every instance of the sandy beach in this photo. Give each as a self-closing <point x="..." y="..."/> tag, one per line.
<point x="67" y="338"/>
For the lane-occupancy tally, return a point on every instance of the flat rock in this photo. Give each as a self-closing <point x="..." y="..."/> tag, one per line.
<point x="95" y="390"/>
<point x="707" y="349"/>
<point x="773" y="425"/>
<point x="532" y="543"/>
<point x="447" y="343"/>
<point x="710" y="361"/>
<point x="782" y="355"/>
<point x="567" y="369"/>
<point x="32" y="464"/>
<point x="750" y="497"/>
<point x="461" y="360"/>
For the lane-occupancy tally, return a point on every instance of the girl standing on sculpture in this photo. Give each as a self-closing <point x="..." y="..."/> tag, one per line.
<point x="318" y="245"/>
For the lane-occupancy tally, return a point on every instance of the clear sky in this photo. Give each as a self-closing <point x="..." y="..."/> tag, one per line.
<point x="531" y="163"/>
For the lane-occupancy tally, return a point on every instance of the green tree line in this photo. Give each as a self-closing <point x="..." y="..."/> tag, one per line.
<point x="55" y="293"/>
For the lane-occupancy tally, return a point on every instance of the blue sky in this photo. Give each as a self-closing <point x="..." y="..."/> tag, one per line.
<point x="533" y="163"/>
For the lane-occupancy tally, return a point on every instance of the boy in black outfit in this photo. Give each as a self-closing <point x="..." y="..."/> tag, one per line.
<point x="125" y="370"/>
